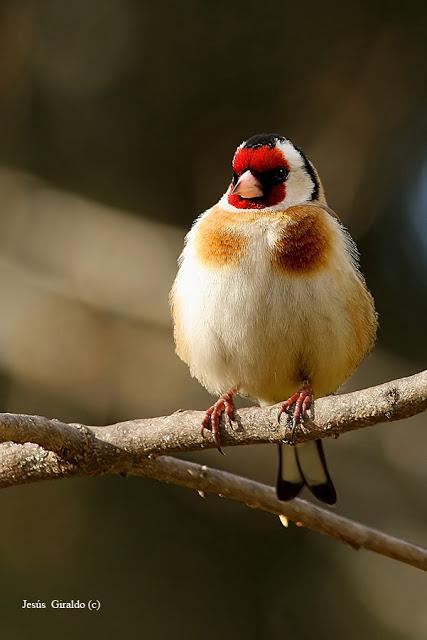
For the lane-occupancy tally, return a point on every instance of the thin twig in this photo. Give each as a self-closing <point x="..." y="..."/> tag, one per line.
<point x="306" y="514"/>
<point x="31" y="463"/>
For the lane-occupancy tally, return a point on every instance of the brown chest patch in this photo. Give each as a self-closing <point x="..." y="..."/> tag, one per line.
<point x="217" y="242"/>
<point x="305" y="242"/>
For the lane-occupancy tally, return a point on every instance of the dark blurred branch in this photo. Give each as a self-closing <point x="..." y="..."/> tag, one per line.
<point x="29" y="463"/>
<point x="303" y="513"/>
<point x="36" y="448"/>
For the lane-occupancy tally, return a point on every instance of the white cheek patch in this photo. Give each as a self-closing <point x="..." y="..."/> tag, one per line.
<point x="299" y="185"/>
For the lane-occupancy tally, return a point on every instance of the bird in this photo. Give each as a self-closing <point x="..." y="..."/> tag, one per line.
<point x="269" y="302"/>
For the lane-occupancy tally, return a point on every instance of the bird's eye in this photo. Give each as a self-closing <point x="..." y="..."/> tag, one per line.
<point x="280" y="174"/>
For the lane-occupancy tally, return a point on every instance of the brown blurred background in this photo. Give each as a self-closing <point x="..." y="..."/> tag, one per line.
<point x="118" y="121"/>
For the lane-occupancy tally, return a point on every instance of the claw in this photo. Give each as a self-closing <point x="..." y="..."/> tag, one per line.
<point x="212" y="418"/>
<point x="287" y="405"/>
<point x="303" y="401"/>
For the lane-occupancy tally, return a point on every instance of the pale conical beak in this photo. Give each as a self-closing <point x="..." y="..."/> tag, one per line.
<point x="247" y="186"/>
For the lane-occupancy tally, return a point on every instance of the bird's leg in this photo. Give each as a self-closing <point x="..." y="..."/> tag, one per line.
<point x="224" y="404"/>
<point x="303" y="401"/>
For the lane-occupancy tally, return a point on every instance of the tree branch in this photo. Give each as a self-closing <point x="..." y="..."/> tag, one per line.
<point x="303" y="513"/>
<point x="180" y="431"/>
<point x="36" y="448"/>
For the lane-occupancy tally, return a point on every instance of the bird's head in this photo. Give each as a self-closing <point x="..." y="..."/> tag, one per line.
<point x="271" y="172"/>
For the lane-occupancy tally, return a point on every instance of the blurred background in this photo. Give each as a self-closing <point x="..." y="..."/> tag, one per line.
<point x="118" y="122"/>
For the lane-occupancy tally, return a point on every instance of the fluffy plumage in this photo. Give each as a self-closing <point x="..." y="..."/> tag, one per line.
<point x="269" y="297"/>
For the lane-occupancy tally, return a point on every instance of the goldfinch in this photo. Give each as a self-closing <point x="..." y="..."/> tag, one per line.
<point x="269" y="302"/>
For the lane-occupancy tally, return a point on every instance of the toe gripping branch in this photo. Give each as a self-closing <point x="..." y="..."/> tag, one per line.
<point x="224" y="405"/>
<point x="303" y="401"/>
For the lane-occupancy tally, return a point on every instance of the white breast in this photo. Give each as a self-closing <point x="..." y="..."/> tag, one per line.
<point x="252" y="326"/>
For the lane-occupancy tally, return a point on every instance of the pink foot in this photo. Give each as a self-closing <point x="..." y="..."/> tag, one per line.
<point x="224" y="404"/>
<point x="303" y="401"/>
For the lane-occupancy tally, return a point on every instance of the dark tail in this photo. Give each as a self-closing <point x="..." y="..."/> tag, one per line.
<point x="304" y="464"/>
